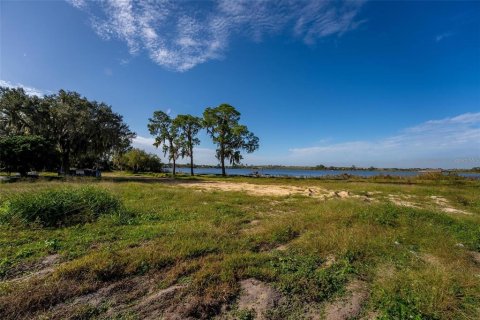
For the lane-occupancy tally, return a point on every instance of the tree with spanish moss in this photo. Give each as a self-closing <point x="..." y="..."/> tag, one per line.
<point x="222" y="124"/>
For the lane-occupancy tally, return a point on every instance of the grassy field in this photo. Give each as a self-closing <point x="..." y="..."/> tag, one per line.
<point x="250" y="248"/>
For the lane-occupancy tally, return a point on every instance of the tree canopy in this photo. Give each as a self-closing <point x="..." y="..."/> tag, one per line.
<point x="85" y="133"/>
<point x="222" y="124"/>
<point x="138" y="160"/>
<point x="188" y="127"/>
<point x="167" y="136"/>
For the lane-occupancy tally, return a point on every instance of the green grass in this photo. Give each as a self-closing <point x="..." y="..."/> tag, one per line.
<point x="59" y="207"/>
<point x="205" y="241"/>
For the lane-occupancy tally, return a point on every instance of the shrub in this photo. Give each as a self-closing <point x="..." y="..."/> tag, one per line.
<point x="59" y="207"/>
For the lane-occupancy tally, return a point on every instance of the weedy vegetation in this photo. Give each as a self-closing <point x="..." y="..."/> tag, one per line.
<point x="157" y="248"/>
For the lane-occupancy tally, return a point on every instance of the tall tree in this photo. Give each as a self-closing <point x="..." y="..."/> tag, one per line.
<point x="188" y="126"/>
<point x="229" y="136"/>
<point x="167" y="136"/>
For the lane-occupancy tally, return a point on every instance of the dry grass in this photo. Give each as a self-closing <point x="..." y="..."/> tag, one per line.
<point x="416" y="262"/>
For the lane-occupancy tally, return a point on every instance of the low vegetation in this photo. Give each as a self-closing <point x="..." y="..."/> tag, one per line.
<point x="59" y="207"/>
<point x="189" y="251"/>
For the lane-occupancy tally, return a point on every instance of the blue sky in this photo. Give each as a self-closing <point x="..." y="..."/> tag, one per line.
<point x="389" y="84"/>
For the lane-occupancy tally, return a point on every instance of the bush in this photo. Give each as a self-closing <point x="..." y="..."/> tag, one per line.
<point x="59" y="207"/>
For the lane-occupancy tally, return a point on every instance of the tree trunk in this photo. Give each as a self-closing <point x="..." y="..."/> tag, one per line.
<point x="191" y="161"/>
<point x="65" y="169"/>
<point x="222" y="160"/>
<point x="174" y="166"/>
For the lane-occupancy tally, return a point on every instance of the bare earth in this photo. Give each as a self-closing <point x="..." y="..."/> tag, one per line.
<point x="350" y="305"/>
<point x="258" y="297"/>
<point x="320" y="193"/>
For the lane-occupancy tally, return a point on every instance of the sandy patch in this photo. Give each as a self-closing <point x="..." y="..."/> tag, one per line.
<point x="256" y="189"/>
<point x="273" y="190"/>
<point x="282" y="247"/>
<point x="350" y="305"/>
<point x="475" y="256"/>
<point x="402" y="201"/>
<point x="444" y="204"/>
<point x="258" y="297"/>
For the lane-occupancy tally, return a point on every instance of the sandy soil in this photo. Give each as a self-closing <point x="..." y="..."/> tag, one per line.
<point x="258" y="297"/>
<point x="350" y="305"/>
<point x="271" y="190"/>
<point x="321" y="193"/>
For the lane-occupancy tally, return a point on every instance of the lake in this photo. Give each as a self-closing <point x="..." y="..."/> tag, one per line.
<point x="310" y="173"/>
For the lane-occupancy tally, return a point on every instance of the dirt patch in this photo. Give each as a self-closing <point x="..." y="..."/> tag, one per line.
<point x="350" y="305"/>
<point x="475" y="256"/>
<point x="258" y="297"/>
<point x="42" y="268"/>
<point x="401" y="201"/>
<point x="271" y="190"/>
<point x="430" y="259"/>
<point x="255" y="189"/>
<point x="139" y="295"/>
<point x="282" y="247"/>
<point x="148" y="306"/>
<point x="445" y="206"/>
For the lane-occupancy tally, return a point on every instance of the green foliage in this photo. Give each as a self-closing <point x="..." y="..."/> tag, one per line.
<point x="23" y="153"/>
<point x="306" y="276"/>
<point x="229" y="136"/>
<point x="167" y="135"/>
<point x="138" y="160"/>
<point x="59" y="207"/>
<point x="386" y="215"/>
<point x="84" y="132"/>
<point x="245" y="315"/>
<point x="189" y="127"/>
<point x="394" y="307"/>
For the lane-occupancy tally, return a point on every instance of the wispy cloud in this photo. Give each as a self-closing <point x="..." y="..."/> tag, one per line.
<point x="78" y="3"/>
<point x="179" y="35"/>
<point x="441" y="143"/>
<point x="442" y="36"/>
<point x="28" y="90"/>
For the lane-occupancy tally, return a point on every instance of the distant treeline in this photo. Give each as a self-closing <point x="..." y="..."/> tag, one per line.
<point x="332" y="168"/>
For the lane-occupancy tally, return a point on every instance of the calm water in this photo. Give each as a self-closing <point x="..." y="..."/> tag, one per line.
<point x="310" y="173"/>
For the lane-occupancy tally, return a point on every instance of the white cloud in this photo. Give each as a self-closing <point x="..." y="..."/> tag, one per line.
<point x="28" y="90"/>
<point x="179" y="35"/>
<point x="78" y="3"/>
<point x="435" y="143"/>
